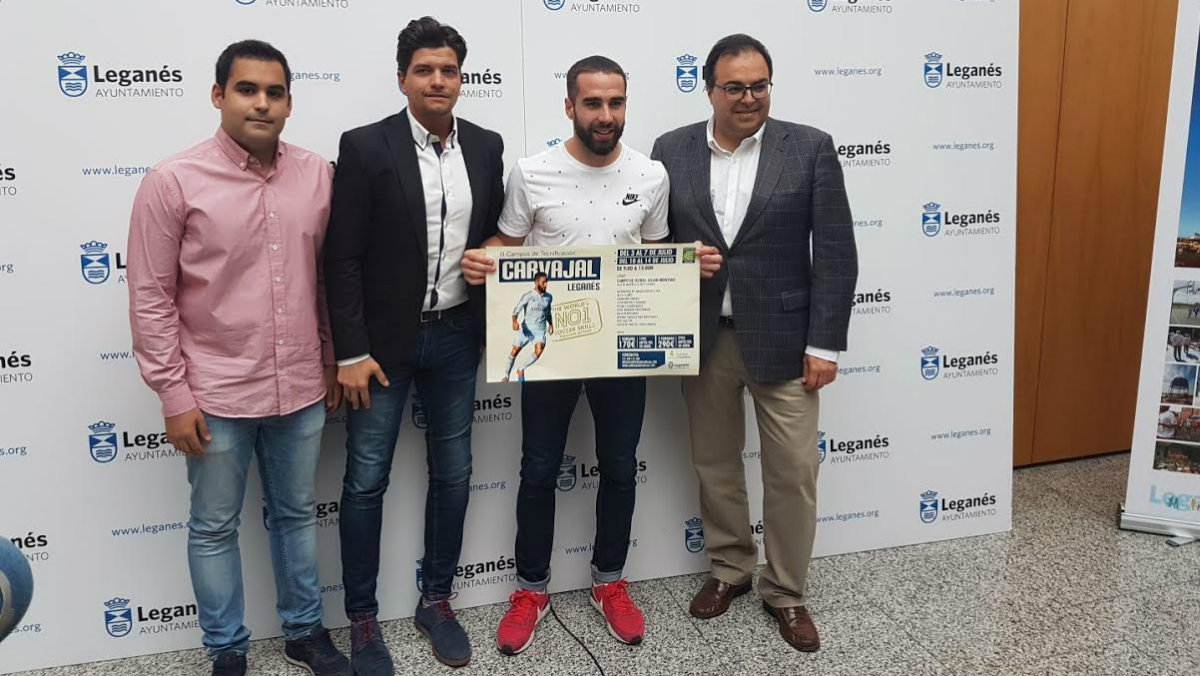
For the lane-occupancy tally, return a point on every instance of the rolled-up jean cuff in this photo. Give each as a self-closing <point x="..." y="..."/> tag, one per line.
<point x="526" y="585"/>
<point x="296" y="633"/>
<point x="232" y="650"/>
<point x="599" y="577"/>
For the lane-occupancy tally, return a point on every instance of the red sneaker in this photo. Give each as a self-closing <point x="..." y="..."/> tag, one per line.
<point x="620" y="613"/>
<point x="525" y="610"/>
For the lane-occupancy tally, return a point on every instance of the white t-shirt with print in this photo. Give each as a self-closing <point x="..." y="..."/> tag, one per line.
<point x="552" y="199"/>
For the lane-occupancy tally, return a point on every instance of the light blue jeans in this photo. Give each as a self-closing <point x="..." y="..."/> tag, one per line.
<point x="287" y="448"/>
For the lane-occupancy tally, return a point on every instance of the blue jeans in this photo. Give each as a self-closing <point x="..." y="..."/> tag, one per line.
<point x="618" y="406"/>
<point x="287" y="448"/>
<point x="443" y="365"/>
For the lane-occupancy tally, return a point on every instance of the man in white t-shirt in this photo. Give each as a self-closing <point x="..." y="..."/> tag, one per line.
<point x="590" y="190"/>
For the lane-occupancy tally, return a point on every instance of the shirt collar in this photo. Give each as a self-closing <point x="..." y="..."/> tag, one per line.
<point x="716" y="148"/>
<point x="239" y="156"/>
<point x="423" y="137"/>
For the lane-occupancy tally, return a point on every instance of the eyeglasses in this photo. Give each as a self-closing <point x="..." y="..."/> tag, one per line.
<point x="735" y="90"/>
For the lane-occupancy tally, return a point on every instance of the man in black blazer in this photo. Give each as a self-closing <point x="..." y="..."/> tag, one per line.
<point x="769" y="194"/>
<point x="410" y="194"/>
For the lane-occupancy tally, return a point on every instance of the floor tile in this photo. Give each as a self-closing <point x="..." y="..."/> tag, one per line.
<point x="858" y="640"/>
<point x="1114" y="658"/>
<point x="671" y="636"/>
<point x="826" y="587"/>
<point x="554" y="651"/>
<point x="1064" y="593"/>
<point x="1096" y="484"/>
<point x="998" y="635"/>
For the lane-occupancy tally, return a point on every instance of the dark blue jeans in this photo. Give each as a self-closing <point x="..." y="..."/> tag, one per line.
<point x="618" y="406"/>
<point x="442" y="365"/>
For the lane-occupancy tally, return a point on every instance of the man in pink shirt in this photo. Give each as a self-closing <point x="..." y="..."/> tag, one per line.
<point x="230" y="329"/>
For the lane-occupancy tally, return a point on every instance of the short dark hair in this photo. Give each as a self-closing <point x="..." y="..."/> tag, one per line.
<point x="541" y="275"/>
<point x="732" y="45"/>
<point x="591" y="64"/>
<point x="250" y="49"/>
<point x="427" y="33"/>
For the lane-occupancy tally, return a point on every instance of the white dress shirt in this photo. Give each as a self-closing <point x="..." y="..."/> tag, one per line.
<point x="441" y="175"/>
<point x="731" y="184"/>
<point x="444" y="174"/>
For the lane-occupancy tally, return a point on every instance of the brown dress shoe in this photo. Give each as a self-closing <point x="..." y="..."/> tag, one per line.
<point x="714" y="598"/>
<point x="796" y="627"/>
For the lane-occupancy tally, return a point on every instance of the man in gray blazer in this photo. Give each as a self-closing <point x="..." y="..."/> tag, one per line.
<point x="769" y="196"/>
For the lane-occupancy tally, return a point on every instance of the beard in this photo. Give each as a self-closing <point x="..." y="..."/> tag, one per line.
<point x="596" y="146"/>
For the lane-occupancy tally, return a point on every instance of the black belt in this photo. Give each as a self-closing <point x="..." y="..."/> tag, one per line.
<point x="725" y="321"/>
<point x="437" y="315"/>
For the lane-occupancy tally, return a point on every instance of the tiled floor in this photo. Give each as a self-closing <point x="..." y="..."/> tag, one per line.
<point x="1064" y="593"/>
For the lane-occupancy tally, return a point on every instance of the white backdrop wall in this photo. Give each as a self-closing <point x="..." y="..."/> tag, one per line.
<point x="920" y="94"/>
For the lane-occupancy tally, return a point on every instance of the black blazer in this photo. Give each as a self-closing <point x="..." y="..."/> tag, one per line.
<point x="377" y="242"/>
<point x="793" y="266"/>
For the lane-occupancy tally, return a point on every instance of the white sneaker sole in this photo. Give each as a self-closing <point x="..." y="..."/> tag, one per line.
<point x="532" y="634"/>
<point x="290" y="660"/>
<point x="599" y="609"/>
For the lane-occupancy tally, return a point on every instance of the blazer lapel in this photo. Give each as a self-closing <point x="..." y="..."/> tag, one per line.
<point x="700" y="173"/>
<point x="474" y="158"/>
<point x="404" y="157"/>
<point x="770" y="167"/>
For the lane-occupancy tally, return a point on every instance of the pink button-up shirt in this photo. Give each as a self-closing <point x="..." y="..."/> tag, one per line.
<point x="226" y="296"/>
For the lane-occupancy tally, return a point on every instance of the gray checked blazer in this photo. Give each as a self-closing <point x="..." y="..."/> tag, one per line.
<point x="793" y="266"/>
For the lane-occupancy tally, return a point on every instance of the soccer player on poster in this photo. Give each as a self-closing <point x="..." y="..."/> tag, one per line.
<point x="538" y="320"/>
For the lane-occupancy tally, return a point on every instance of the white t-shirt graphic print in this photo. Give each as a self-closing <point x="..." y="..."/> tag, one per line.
<point x="552" y="199"/>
